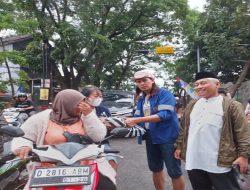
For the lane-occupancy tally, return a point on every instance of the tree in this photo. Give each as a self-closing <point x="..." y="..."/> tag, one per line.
<point x="222" y="28"/>
<point x="222" y="42"/>
<point x="7" y="21"/>
<point x="96" y="41"/>
<point x="186" y="64"/>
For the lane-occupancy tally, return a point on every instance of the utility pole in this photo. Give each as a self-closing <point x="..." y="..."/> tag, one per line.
<point x="45" y="91"/>
<point x="45" y="61"/>
<point x="198" y="54"/>
<point x="8" y="68"/>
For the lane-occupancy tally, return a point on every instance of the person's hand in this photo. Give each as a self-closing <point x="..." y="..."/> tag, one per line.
<point x="103" y="119"/>
<point x="130" y="122"/>
<point x="242" y="162"/>
<point x="85" y="108"/>
<point x="22" y="152"/>
<point x="106" y="123"/>
<point x="177" y="154"/>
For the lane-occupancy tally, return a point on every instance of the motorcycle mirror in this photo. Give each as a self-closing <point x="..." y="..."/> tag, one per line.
<point x="116" y="132"/>
<point x="119" y="132"/>
<point x="11" y="131"/>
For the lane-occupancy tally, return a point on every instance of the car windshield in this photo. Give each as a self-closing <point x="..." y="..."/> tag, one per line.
<point x="118" y="99"/>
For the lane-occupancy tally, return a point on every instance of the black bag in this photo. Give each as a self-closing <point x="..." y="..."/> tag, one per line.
<point x="77" y="138"/>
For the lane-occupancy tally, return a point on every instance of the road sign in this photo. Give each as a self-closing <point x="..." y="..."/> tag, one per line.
<point x="46" y="83"/>
<point x="44" y="94"/>
<point x="164" y="50"/>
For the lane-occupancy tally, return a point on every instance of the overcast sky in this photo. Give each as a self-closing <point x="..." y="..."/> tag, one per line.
<point x="197" y="4"/>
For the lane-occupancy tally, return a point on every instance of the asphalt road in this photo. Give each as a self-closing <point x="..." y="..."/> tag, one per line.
<point x="133" y="173"/>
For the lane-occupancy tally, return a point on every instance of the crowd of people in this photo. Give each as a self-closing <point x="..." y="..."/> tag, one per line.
<point x="211" y="137"/>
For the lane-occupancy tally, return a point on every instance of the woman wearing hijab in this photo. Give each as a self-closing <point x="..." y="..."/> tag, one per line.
<point x="69" y="113"/>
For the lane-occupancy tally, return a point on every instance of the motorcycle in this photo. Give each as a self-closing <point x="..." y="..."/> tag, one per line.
<point x="13" y="172"/>
<point x="9" y="116"/>
<point x="5" y="139"/>
<point x="73" y="165"/>
<point x="12" y="115"/>
<point x="67" y="172"/>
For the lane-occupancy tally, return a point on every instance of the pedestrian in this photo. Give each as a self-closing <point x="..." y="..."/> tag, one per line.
<point x="178" y="106"/>
<point x="155" y="112"/>
<point x="94" y="97"/>
<point x="214" y="136"/>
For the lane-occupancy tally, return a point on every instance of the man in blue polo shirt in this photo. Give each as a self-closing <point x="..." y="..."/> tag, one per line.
<point x="156" y="113"/>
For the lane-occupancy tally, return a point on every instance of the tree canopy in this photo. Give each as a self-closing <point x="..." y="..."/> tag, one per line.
<point x="96" y="42"/>
<point x="8" y="21"/>
<point x="223" y="38"/>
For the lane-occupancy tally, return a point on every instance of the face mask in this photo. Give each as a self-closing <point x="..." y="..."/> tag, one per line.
<point x="95" y="102"/>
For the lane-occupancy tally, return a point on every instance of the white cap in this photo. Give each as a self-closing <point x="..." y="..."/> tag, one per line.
<point x="143" y="74"/>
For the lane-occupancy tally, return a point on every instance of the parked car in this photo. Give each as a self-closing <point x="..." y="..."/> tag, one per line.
<point x="120" y="103"/>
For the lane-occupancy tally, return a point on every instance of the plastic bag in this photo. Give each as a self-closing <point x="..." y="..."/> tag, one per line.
<point x="243" y="179"/>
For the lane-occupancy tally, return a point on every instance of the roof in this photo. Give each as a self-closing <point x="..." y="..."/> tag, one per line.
<point x="16" y="39"/>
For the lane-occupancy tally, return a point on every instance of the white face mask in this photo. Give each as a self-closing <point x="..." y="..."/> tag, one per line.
<point x="95" y="102"/>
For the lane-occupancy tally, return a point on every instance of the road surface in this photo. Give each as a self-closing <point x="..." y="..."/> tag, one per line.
<point x="133" y="173"/>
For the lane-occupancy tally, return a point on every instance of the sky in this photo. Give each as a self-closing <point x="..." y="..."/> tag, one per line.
<point x="197" y="4"/>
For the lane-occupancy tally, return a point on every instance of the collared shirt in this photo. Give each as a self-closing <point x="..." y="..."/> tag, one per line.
<point x="206" y="121"/>
<point x="162" y="104"/>
<point x="146" y="110"/>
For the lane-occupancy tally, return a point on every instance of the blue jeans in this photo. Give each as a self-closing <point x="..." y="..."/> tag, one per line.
<point x="158" y="154"/>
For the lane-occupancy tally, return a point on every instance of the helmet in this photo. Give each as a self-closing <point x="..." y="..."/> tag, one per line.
<point x="22" y="94"/>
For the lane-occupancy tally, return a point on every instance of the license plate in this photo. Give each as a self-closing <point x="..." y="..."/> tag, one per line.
<point x="60" y="176"/>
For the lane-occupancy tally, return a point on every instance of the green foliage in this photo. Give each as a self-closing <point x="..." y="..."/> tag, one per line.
<point x="33" y="55"/>
<point x="13" y="56"/>
<point x="222" y="28"/>
<point x="226" y="26"/>
<point x="3" y="87"/>
<point x="97" y="38"/>
<point x="23" y="78"/>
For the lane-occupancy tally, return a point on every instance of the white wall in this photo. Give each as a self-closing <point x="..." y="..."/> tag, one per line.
<point x="14" y="68"/>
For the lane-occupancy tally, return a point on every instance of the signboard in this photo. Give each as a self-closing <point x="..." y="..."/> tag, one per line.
<point x="46" y="83"/>
<point x="164" y="50"/>
<point x="44" y="94"/>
